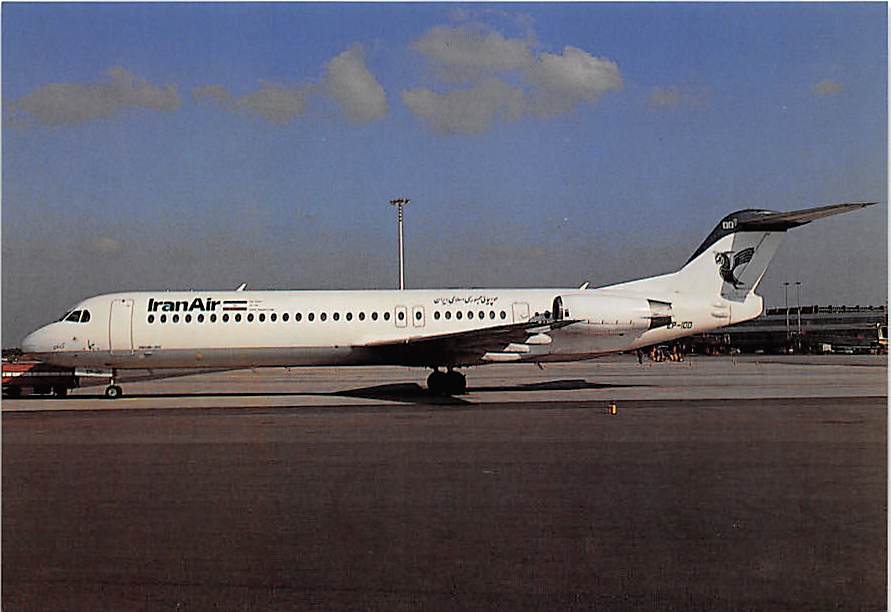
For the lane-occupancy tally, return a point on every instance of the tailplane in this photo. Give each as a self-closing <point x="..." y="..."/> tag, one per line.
<point x="734" y="257"/>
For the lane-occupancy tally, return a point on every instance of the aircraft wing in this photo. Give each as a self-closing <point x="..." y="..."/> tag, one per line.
<point x="459" y="348"/>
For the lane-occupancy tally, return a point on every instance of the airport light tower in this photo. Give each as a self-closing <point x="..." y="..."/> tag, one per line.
<point x="786" y="291"/>
<point x="399" y="203"/>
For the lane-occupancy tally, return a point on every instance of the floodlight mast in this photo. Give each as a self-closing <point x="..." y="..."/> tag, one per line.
<point x="399" y="203"/>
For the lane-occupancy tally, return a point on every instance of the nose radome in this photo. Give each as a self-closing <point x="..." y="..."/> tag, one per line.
<point x="32" y="342"/>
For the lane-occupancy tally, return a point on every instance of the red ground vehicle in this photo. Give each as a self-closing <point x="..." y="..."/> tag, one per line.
<point x="21" y="377"/>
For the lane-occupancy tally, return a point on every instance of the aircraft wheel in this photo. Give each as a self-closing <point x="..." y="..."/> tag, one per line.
<point x="437" y="382"/>
<point x="457" y="383"/>
<point x="60" y="391"/>
<point x="113" y="392"/>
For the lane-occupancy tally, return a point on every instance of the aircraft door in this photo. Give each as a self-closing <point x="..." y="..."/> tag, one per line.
<point x="417" y="316"/>
<point x="120" y="326"/>
<point x="521" y="312"/>
<point x="401" y="317"/>
<point x="557" y="310"/>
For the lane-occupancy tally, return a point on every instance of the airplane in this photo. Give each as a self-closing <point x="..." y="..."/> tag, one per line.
<point x="441" y="329"/>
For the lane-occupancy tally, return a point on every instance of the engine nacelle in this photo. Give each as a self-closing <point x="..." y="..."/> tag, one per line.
<point x="613" y="314"/>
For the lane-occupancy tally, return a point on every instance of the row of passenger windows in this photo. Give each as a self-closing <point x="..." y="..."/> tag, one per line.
<point x="262" y="317"/>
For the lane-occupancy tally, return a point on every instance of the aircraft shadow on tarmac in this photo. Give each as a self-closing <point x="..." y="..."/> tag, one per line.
<point x="402" y="392"/>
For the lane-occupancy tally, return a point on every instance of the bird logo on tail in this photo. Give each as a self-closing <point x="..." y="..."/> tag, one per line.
<point x="728" y="263"/>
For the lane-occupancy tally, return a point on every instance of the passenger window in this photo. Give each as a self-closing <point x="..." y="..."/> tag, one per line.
<point x="361" y="316"/>
<point x="336" y="316"/>
<point x="151" y="318"/>
<point x="175" y="318"/>
<point x="448" y="314"/>
<point x="418" y="315"/>
<point x="213" y="318"/>
<point x="273" y="317"/>
<point x="482" y="314"/>
<point x="188" y="318"/>
<point x="225" y="318"/>
<point x="201" y="318"/>
<point x="323" y="316"/>
<point x="250" y="317"/>
<point x="349" y="316"/>
<point x="436" y="315"/>
<point x="299" y="317"/>
<point x="238" y="318"/>
<point x="163" y="318"/>
<point x="469" y="314"/>
<point x="85" y="317"/>
<point x="491" y="314"/>
<point x="310" y="316"/>
<point x="284" y="317"/>
<point x="401" y="316"/>
<point x="503" y="315"/>
<point x="262" y="317"/>
<point x="386" y="316"/>
<point x="374" y="316"/>
<point x="459" y="314"/>
<point x="74" y="317"/>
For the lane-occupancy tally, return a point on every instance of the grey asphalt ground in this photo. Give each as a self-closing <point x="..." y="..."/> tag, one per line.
<point x="749" y="484"/>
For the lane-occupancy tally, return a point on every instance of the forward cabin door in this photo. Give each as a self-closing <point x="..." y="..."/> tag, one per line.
<point x="120" y="326"/>
<point x="521" y="312"/>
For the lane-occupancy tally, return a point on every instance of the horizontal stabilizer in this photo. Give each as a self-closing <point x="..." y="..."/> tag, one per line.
<point x="781" y="221"/>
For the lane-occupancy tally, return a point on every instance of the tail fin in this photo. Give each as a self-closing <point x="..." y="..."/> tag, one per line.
<point x="734" y="257"/>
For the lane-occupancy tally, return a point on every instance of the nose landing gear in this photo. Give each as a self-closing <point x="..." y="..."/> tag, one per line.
<point x="449" y="382"/>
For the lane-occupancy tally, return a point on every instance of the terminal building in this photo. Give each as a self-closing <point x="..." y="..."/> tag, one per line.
<point x="808" y="329"/>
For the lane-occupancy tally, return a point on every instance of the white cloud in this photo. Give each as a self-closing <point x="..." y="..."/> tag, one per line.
<point x="562" y="81"/>
<point x="273" y="102"/>
<point x="354" y="88"/>
<point x="68" y="103"/>
<point x="827" y="87"/>
<point x="466" y="51"/>
<point x="507" y="79"/>
<point x="467" y="111"/>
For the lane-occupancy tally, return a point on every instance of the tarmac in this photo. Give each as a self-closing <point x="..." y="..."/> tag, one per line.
<point x="751" y="483"/>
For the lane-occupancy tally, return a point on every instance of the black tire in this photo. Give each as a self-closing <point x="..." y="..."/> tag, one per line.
<point x="456" y="383"/>
<point x="437" y="383"/>
<point x="60" y="391"/>
<point x="113" y="392"/>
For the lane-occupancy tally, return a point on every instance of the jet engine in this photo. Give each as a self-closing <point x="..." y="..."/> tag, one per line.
<point x="613" y="314"/>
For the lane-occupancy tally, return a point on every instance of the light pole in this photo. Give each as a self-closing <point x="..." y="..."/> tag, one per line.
<point x="399" y="203"/>
<point x="786" y="291"/>
<point x="798" y="301"/>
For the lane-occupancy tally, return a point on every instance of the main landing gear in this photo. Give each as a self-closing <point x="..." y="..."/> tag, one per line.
<point x="446" y="383"/>
<point x="112" y="391"/>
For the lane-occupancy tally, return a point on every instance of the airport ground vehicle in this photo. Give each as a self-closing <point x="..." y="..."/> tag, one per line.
<point x="25" y="377"/>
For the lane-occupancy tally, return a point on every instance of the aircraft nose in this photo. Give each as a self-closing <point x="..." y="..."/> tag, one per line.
<point x="35" y="342"/>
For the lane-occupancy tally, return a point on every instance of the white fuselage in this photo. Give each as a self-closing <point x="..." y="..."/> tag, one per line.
<point x="235" y="329"/>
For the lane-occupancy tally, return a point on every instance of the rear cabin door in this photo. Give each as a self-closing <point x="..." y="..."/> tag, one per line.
<point x="120" y="326"/>
<point x="521" y="312"/>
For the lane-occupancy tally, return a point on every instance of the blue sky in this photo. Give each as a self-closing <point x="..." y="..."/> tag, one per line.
<point x="152" y="146"/>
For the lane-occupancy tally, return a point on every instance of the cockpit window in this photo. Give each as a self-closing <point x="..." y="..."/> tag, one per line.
<point x="73" y="317"/>
<point x="85" y="316"/>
